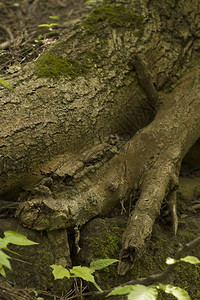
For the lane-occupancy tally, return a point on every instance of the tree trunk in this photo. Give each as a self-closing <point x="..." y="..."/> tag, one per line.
<point x="71" y="136"/>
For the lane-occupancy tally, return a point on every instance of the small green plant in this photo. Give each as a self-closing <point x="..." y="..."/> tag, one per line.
<point x="188" y="259"/>
<point x="39" y="38"/>
<point x="83" y="272"/>
<point x="133" y="292"/>
<point x="11" y="237"/>
<point x="36" y="295"/>
<point x="50" y="26"/>
<point x="139" y="291"/>
<point x="54" y="17"/>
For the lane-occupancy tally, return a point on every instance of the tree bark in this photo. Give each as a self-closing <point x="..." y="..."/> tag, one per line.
<point x="63" y="141"/>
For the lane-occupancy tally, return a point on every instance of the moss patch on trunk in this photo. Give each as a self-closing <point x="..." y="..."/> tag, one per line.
<point x="54" y="66"/>
<point x="115" y="16"/>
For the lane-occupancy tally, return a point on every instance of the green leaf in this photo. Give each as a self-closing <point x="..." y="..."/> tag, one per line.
<point x="35" y="293"/>
<point x="39" y="38"/>
<point x="54" y="17"/>
<point x="2" y="271"/>
<point x="17" y="238"/>
<point x="142" y="292"/>
<point x="4" y="260"/>
<point x="3" y="243"/>
<point x="97" y="286"/>
<point x="47" y="25"/>
<point x="121" y="290"/>
<point x="89" y="2"/>
<point x="191" y="259"/>
<point x="83" y="272"/>
<point x="44" y="25"/>
<point x="12" y="251"/>
<point x="59" y="272"/>
<point x="136" y="292"/>
<point x="177" y="292"/>
<point x="6" y="84"/>
<point x="102" y="263"/>
<point x="171" y="261"/>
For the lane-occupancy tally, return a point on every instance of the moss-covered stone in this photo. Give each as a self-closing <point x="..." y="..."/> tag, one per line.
<point x="115" y="16"/>
<point x="108" y="247"/>
<point x="54" y="66"/>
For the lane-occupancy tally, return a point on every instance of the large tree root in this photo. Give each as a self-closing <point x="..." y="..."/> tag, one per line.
<point x="76" y="191"/>
<point x="161" y="180"/>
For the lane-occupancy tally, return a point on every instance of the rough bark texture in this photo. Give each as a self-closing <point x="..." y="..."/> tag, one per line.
<point x="48" y="124"/>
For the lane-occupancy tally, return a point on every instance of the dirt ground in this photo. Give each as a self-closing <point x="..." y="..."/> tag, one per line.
<point x="21" y="38"/>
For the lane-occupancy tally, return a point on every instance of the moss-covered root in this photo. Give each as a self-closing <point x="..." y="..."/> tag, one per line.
<point x="115" y="16"/>
<point x="54" y="66"/>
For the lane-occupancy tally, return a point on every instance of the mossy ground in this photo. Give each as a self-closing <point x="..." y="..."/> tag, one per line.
<point x="108" y="247"/>
<point x="161" y="246"/>
<point x="188" y="279"/>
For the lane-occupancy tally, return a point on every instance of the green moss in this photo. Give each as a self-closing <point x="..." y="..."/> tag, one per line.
<point x="110" y="247"/>
<point x="115" y="16"/>
<point x="93" y="55"/>
<point x="54" y="66"/>
<point x="187" y="277"/>
<point x="186" y="236"/>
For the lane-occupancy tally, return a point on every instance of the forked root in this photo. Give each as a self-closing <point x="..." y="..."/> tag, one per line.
<point x="160" y="182"/>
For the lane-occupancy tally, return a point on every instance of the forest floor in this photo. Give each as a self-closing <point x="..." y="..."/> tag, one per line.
<point x="21" y="37"/>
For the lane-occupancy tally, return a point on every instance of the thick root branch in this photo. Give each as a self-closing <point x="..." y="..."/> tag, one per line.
<point x="154" y="189"/>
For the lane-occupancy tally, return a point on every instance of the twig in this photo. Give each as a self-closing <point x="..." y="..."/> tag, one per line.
<point x="23" y="261"/>
<point x="80" y="294"/>
<point x="6" y="44"/>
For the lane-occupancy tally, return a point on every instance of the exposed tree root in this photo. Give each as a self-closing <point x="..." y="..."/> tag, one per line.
<point x="158" y="182"/>
<point x="78" y="190"/>
<point x="161" y="179"/>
